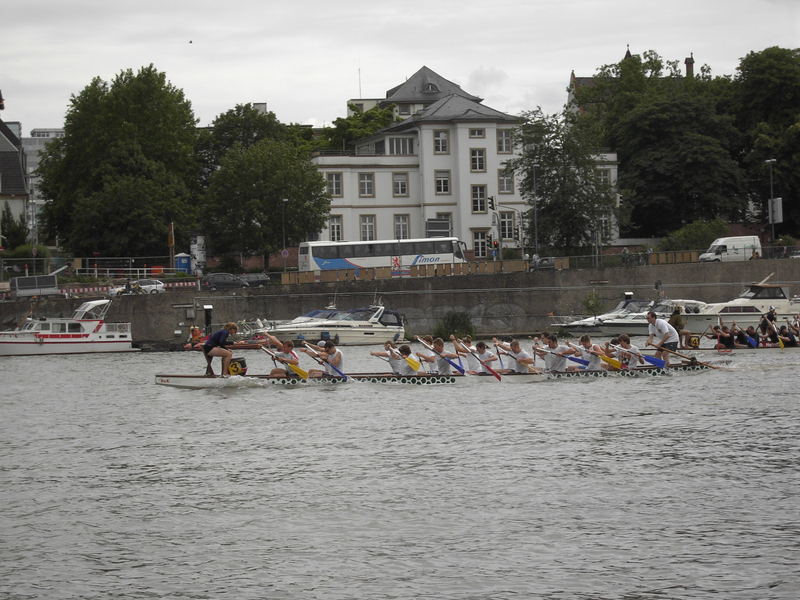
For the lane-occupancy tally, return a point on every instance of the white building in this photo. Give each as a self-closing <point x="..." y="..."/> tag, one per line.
<point x="437" y="172"/>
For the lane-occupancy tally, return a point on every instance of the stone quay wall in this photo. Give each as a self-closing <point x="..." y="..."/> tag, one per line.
<point x="512" y="303"/>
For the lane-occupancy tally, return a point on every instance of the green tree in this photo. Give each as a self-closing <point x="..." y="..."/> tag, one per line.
<point x="15" y="231"/>
<point x="136" y="132"/>
<point x="678" y="165"/>
<point x="361" y="124"/>
<point x="697" y="235"/>
<point x="244" y="209"/>
<point x="559" y="177"/>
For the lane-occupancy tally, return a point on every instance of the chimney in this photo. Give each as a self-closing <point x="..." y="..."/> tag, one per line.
<point x="689" y="62"/>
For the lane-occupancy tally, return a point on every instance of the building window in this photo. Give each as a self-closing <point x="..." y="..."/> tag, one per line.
<point x="401" y="227"/>
<point x="441" y="142"/>
<point x="477" y="133"/>
<point x="404" y="109"/>
<point x="479" y="243"/>
<point x="334" y="184"/>
<point x="367" y="227"/>
<point x="477" y="158"/>
<point x="507" y="225"/>
<point x="449" y="218"/>
<point x="605" y="176"/>
<point x="442" y="182"/>
<point x="335" y="228"/>
<point x="505" y="182"/>
<point x="399" y="184"/>
<point x="479" y="198"/>
<point x="504" y="141"/>
<point x="401" y="146"/>
<point x="366" y="184"/>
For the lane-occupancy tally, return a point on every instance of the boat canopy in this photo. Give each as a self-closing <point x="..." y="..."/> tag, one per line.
<point x="92" y="310"/>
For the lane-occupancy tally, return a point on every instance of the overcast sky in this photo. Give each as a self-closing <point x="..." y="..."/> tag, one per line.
<point x="303" y="57"/>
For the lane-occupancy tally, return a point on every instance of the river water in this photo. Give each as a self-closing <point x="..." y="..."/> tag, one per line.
<point x="658" y="488"/>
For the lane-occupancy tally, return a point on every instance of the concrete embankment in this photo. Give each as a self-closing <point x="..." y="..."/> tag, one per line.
<point x="514" y="303"/>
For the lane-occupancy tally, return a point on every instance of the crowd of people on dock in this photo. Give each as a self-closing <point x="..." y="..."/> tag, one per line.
<point x="463" y="356"/>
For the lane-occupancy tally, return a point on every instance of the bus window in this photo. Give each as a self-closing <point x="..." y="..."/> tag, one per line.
<point x="347" y="251"/>
<point x="326" y="252"/>
<point x="384" y="249"/>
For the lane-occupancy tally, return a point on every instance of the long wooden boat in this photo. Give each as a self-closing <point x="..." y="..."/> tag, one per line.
<point x="205" y="381"/>
<point x="211" y="382"/>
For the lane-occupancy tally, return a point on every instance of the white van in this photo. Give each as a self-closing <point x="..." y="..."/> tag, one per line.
<point x="732" y="248"/>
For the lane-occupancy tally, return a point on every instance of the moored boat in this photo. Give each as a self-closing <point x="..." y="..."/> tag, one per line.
<point x="86" y="331"/>
<point x="358" y="326"/>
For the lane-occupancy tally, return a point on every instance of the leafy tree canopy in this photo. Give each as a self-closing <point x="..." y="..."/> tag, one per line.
<point x="136" y="133"/>
<point x="14" y="231"/>
<point x="559" y="178"/>
<point x="697" y="235"/>
<point x="361" y="124"/>
<point x="243" y="207"/>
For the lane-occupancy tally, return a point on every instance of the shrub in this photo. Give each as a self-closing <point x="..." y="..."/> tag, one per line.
<point x="454" y="323"/>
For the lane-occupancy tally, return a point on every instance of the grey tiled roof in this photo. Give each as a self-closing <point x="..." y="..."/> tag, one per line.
<point x="425" y="86"/>
<point x="454" y="108"/>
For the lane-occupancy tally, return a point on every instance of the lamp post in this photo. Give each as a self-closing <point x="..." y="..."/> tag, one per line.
<point x="284" y="252"/>
<point x="535" y="214"/>
<point x="770" y="162"/>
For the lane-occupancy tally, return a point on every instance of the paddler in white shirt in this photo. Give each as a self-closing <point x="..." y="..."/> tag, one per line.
<point x="427" y="357"/>
<point x="285" y="355"/>
<point x="665" y="335"/>
<point x="555" y="358"/>
<point x="519" y="361"/>
<point x="466" y="349"/>
<point x="591" y="352"/>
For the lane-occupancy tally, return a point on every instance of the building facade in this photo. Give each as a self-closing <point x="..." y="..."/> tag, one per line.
<point x="13" y="183"/>
<point x="441" y="170"/>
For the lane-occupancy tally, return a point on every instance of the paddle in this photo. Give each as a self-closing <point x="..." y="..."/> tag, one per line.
<point x="656" y="362"/>
<point x="499" y="356"/>
<point x="691" y="359"/>
<point x="485" y="366"/>
<point x="321" y="360"/>
<point x="413" y="363"/>
<point x="777" y="334"/>
<point x="613" y="362"/>
<point x="458" y="368"/>
<point x="582" y="361"/>
<point x="302" y="373"/>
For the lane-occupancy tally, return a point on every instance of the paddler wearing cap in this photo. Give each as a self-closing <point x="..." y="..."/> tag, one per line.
<point x="330" y="355"/>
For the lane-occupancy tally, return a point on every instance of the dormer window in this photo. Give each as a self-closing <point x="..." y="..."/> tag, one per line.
<point x="430" y="88"/>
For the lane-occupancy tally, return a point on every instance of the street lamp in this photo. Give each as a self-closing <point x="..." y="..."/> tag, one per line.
<point x="770" y="162"/>
<point x="535" y="214"/>
<point x="284" y="252"/>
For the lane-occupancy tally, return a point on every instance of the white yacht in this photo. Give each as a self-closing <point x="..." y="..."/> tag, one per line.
<point x="358" y="326"/>
<point x="636" y="323"/>
<point x="748" y="307"/>
<point x="625" y="307"/>
<point x="85" y="331"/>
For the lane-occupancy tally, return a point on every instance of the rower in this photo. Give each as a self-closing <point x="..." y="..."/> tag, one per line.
<point x="407" y="358"/>
<point x="427" y="357"/>
<point x="519" y="360"/>
<point x="391" y="355"/>
<point x="285" y="355"/>
<point x="631" y="356"/>
<point x="329" y="354"/>
<point x="665" y="334"/>
<point x="591" y="352"/>
<point x="467" y="350"/>
<point x="555" y="354"/>
<point x="442" y="366"/>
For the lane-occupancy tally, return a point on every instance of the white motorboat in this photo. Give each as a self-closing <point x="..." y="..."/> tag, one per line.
<point x="358" y="326"/>
<point x="636" y="323"/>
<point x="748" y="307"/>
<point x="625" y="307"/>
<point x="85" y="331"/>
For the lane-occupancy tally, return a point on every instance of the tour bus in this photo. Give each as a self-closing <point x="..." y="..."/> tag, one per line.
<point x="400" y="255"/>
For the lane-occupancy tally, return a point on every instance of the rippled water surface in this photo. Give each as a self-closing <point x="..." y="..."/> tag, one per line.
<point x="672" y="487"/>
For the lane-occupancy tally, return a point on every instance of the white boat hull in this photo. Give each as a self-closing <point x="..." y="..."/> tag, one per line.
<point x="340" y="335"/>
<point x="20" y="346"/>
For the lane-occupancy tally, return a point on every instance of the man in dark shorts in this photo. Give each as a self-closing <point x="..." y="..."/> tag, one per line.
<point x="216" y="345"/>
<point x="665" y="335"/>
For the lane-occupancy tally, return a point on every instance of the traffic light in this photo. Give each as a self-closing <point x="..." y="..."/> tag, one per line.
<point x="489" y="239"/>
<point x="496" y="244"/>
<point x="491" y="202"/>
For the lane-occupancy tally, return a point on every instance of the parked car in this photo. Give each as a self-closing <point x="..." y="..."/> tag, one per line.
<point x="139" y="286"/>
<point x="222" y="281"/>
<point x="256" y="279"/>
<point x="795" y="254"/>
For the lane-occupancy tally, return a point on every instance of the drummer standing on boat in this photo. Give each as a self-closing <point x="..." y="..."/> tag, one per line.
<point x="217" y="345"/>
<point x="666" y="336"/>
